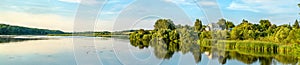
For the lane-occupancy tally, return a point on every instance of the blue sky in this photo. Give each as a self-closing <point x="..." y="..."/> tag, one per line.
<point x="61" y="14"/>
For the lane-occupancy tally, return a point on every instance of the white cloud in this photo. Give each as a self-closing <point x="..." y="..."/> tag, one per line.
<point x="71" y="1"/>
<point x="109" y="12"/>
<point x="265" y="6"/>
<point x="208" y="3"/>
<point x="194" y="2"/>
<point x="182" y="2"/>
<point x="86" y="2"/>
<point x="44" y="21"/>
<point x="237" y="6"/>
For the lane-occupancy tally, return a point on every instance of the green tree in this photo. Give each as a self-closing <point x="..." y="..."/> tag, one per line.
<point x="244" y="21"/>
<point x="252" y="34"/>
<point x="296" y="25"/>
<point x="205" y="35"/>
<point x="298" y="5"/>
<point x="141" y="31"/>
<point x="164" y="24"/>
<point x="198" y="25"/>
<point x="229" y="25"/>
<point x="174" y="35"/>
<point x="265" y="24"/>
<point x="256" y="27"/>
<point x="273" y="26"/>
<point x="235" y="34"/>
<point x="222" y="23"/>
<point x="291" y="37"/>
<point x="281" y="34"/>
<point x="241" y="32"/>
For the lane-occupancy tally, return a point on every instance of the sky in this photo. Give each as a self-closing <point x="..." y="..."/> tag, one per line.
<point x="113" y="15"/>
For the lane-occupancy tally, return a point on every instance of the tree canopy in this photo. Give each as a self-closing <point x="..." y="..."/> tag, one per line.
<point x="265" y="24"/>
<point x="18" y="30"/>
<point x="264" y="31"/>
<point x="164" y="24"/>
<point x="198" y="25"/>
<point x="296" y="25"/>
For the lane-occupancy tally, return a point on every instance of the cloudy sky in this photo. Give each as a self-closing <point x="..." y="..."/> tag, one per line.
<point x="70" y="15"/>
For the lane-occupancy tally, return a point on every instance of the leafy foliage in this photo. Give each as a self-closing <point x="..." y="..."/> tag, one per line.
<point x="264" y="31"/>
<point x="245" y="40"/>
<point x="164" y="24"/>
<point x="261" y="39"/>
<point x="296" y="25"/>
<point x="198" y="25"/>
<point x="265" y="24"/>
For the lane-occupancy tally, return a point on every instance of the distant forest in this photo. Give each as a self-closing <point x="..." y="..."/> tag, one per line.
<point x="6" y="29"/>
<point x="264" y="31"/>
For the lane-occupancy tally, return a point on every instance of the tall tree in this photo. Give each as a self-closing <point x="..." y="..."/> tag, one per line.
<point x="265" y="24"/>
<point x="244" y="21"/>
<point x="222" y="23"/>
<point x="271" y="30"/>
<point x="198" y="25"/>
<point x="229" y="25"/>
<point x="281" y="34"/>
<point x="241" y="31"/>
<point x="299" y="5"/>
<point x="235" y="34"/>
<point x="296" y="25"/>
<point x="164" y="24"/>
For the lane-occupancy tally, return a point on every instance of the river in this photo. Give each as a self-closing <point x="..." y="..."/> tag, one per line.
<point x="80" y="50"/>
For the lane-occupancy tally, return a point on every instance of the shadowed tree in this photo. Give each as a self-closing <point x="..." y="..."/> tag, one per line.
<point x="235" y="34"/>
<point x="198" y="25"/>
<point x="222" y="23"/>
<point x="265" y="24"/>
<point x="164" y="24"/>
<point x="229" y="25"/>
<point x="244" y="21"/>
<point x="296" y="25"/>
<point x="299" y="5"/>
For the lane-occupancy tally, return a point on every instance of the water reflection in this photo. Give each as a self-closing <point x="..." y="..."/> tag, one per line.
<point x="8" y="40"/>
<point x="29" y="51"/>
<point x="165" y="50"/>
<point x="60" y="52"/>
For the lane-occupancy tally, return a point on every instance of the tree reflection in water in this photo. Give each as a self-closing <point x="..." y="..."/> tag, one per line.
<point x="8" y="40"/>
<point x="165" y="50"/>
<point x="166" y="43"/>
<point x="184" y="39"/>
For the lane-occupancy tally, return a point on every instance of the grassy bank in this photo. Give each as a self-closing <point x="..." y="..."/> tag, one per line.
<point x="256" y="47"/>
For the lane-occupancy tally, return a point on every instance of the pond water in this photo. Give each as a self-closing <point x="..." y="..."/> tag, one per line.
<point x="51" y="50"/>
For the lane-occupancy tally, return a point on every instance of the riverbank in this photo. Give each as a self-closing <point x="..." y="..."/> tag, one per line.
<point x="255" y="47"/>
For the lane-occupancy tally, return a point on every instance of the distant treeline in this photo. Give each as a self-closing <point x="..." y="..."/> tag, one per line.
<point x="264" y="31"/>
<point x="19" y="30"/>
<point x="123" y="34"/>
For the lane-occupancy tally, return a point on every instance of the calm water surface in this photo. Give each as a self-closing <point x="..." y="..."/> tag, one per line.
<point x="44" y="50"/>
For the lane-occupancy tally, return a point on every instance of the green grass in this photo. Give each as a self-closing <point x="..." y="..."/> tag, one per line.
<point x="259" y="48"/>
